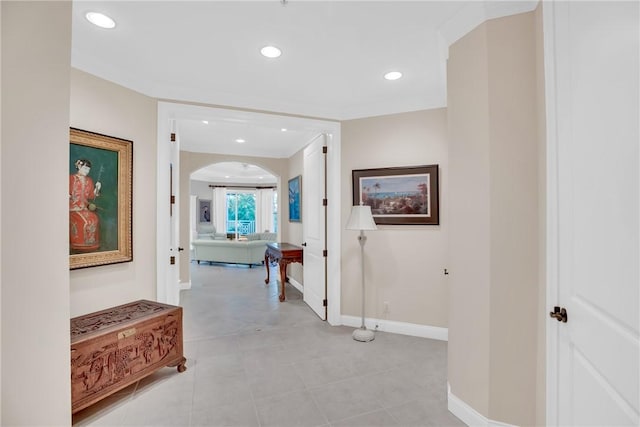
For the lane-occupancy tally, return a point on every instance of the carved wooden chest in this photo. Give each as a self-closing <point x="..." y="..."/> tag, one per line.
<point x="113" y="348"/>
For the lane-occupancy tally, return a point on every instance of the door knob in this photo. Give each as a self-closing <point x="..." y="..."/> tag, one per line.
<point x="560" y="314"/>
<point x="180" y="249"/>
<point x="304" y="244"/>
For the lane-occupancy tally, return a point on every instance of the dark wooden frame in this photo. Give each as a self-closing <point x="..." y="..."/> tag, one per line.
<point x="431" y="217"/>
<point x="293" y="204"/>
<point x="201" y="204"/>
<point x="123" y="150"/>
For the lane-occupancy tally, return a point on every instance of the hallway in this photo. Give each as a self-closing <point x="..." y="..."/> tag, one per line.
<point x="253" y="361"/>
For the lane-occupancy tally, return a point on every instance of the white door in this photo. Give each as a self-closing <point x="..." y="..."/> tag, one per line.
<point x="173" y="276"/>
<point x="591" y="61"/>
<point x="313" y="227"/>
<point x="168" y="288"/>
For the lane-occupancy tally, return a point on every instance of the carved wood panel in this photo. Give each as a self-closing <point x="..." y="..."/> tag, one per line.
<point x="116" y="347"/>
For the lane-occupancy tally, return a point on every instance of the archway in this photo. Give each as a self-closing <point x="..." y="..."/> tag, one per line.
<point x="231" y="200"/>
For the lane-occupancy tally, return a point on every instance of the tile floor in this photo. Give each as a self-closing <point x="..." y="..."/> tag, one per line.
<point x="253" y="361"/>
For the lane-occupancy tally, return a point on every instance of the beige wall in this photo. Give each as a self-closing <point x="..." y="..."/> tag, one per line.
<point x="469" y="214"/>
<point x="191" y="162"/>
<point x="541" y="384"/>
<point x="36" y="53"/>
<point x="104" y="107"/>
<point x="403" y="264"/>
<point x="494" y="245"/>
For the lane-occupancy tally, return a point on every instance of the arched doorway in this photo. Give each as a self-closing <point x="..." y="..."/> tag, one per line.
<point x="233" y="199"/>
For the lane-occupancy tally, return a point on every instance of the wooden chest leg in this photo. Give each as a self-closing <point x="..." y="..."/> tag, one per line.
<point x="181" y="364"/>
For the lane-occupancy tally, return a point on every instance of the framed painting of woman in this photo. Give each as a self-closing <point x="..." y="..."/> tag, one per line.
<point x="100" y="199"/>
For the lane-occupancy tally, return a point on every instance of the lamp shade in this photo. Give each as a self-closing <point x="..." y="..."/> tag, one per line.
<point x="361" y="219"/>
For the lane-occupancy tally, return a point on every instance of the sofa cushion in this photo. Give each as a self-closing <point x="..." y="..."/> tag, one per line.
<point x="253" y="236"/>
<point x="268" y="236"/>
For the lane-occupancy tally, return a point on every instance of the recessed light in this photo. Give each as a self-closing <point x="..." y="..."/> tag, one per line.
<point x="240" y="141"/>
<point x="260" y="177"/>
<point x="283" y="129"/>
<point x="227" y="176"/>
<point x="270" y="51"/>
<point x="100" y="19"/>
<point x="206" y="122"/>
<point x="393" y="75"/>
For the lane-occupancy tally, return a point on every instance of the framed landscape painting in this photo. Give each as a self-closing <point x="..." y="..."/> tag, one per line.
<point x="295" y="191"/>
<point x="100" y="199"/>
<point x="400" y="195"/>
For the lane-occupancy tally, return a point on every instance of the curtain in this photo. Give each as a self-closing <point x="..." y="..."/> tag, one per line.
<point x="220" y="209"/>
<point x="264" y="210"/>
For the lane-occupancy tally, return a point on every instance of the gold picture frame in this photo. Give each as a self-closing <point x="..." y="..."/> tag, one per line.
<point x="100" y="199"/>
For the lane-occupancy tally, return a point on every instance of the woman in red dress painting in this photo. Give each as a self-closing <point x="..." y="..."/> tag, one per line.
<point x="84" y="224"/>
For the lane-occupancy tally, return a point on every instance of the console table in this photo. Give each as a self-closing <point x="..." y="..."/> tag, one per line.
<point x="284" y="254"/>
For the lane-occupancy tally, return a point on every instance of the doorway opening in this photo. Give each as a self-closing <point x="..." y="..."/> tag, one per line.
<point x="276" y="138"/>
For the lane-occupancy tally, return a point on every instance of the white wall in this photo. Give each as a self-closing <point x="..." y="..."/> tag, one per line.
<point x="404" y="264"/>
<point x="104" y="107"/>
<point x="0" y="218"/>
<point x="36" y="57"/>
<point x="201" y="189"/>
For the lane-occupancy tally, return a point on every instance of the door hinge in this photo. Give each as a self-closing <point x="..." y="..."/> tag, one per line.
<point x="173" y="137"/>
<point x="324" y="302"/>
<point x="324" y="202"/>
<point x="560" y="314"/>
<point x="324" y="252"/>
<point x="172" y="260"/>
<point x="324" y="149"/>
<point x="172" y="200"/>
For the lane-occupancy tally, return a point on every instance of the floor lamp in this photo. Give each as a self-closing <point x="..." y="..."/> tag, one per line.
<point x="361" y="219"/>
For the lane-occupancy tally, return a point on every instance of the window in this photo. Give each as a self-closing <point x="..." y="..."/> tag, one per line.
<point x="241" y="212"/>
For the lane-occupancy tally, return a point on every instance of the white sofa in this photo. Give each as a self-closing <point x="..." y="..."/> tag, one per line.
<point x="208" y="231"/>
<point x="250" y="251"/>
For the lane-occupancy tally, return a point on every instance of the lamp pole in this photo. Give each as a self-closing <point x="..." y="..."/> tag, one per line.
<point x="362" y="239"/>
<point x="362" y="334"/>
<point x="361" y="219"/>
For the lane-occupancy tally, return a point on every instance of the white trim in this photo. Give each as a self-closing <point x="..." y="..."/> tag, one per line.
<point x="550" y="16"/>
<point x="467" y="414"/>
<point x="334" y="225"/>
<point x="293" y="282"/>
<point x="403" y="328"/>
<point x="163" y="239"/>
<point x="185" y="285"/>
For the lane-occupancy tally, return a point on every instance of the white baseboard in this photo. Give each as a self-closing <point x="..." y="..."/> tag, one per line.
<point x="467" y="414"/>
<point x="296" y="284"/>
<point x="185" y="285"/>
<point x="403" y="328"/>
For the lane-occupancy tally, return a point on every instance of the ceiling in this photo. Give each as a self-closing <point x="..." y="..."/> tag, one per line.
<point x="334" y="56"/>
<point x="236" y="173"/>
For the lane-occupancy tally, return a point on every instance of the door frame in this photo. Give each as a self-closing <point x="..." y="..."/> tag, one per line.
<point x="168" y="111"/>
<point x="552" y="212"/>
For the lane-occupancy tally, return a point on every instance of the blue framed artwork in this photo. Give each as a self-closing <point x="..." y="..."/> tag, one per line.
<point x="295" y="191"/>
